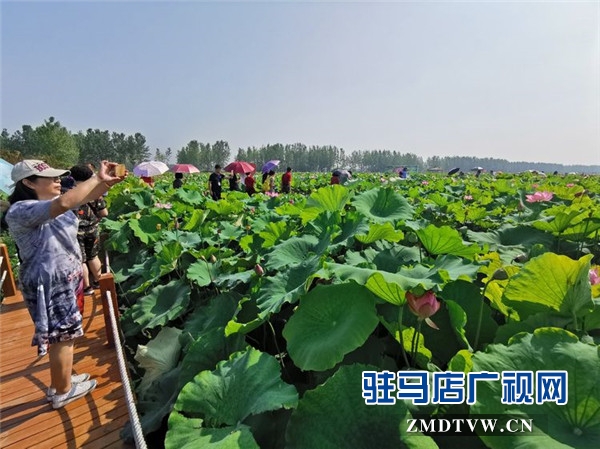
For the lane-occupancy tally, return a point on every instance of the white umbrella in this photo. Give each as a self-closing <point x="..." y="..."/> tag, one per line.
<point x="150" y="168"/>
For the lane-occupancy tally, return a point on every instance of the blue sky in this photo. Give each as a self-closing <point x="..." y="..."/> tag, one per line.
<point x="519" y="81"/>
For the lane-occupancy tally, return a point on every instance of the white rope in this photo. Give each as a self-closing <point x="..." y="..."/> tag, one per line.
<point x="138" y="435"/>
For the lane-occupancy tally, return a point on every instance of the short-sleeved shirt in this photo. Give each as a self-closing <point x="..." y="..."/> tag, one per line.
<point x="286" y="178"/>
<point x="88" y="215"/>
<point x="50" y="274"/>
<point x="215" y="183"/>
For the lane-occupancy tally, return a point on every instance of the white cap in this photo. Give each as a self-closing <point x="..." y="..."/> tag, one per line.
<point x="30" y="167"/>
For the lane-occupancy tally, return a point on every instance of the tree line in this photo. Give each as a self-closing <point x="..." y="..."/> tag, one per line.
<point x="60" y="147"/>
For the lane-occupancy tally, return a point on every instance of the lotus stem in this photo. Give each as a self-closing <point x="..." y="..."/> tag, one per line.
<point x="400" y="314"/>
<point x="480" y="315"/>
<point x="415" y="343"/>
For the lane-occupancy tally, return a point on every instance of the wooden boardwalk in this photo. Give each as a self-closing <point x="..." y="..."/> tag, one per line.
<point x="27" y="420"/>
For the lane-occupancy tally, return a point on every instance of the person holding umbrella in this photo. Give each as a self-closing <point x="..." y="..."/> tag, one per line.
<point x="286" y="181"/>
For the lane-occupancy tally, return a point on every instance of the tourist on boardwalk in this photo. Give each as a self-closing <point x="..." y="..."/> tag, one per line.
<point x="214" y="183"/>
<point x="286" y="181"/>
<point x="88" y="235"/>
<point x="44" y="227"/>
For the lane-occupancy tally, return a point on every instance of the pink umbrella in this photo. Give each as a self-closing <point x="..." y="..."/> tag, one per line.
<point x="240" y="167"/>
<point x="184" y="168"/>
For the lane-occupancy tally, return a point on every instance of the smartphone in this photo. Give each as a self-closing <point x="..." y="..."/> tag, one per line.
<point x="119" y="170"/>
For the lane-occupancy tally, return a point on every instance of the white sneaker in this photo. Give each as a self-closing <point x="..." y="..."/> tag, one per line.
<point x="77" y="391"/>
<point x="75" y="379"/>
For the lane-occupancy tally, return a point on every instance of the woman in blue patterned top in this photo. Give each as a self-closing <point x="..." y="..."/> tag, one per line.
<point x="44" y="227"/>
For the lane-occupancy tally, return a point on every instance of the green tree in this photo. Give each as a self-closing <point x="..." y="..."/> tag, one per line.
<point x="50" y="141"/>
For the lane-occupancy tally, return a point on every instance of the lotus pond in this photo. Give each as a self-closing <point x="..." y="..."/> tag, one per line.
<point x="249" y="321"/>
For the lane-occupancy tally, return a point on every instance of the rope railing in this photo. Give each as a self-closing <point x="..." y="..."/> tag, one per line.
<point x="136" y="426"/>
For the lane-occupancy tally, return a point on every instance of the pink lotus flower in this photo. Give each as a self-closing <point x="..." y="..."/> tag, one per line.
<point x="424" y="306"/>
<point x="594" y="276"/>
<point x="425" y="183"/>
<point x="272" y="194"/>
<point x="570" y="185"/>
<point x="468" y="197"/>
<point x="535" y="186"/>
<point x="539" y="197"/>
<point x="163" y="205"/>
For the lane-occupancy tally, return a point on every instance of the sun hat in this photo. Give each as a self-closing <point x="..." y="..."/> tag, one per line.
<point x="30" y="167"/>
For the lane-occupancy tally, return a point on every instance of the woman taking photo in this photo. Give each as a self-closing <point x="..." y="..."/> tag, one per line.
<point x="44" y="227"/>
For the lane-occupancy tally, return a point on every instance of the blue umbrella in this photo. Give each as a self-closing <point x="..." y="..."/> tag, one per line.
<point x="5" y="180"/>
<point x="271" y="165"/>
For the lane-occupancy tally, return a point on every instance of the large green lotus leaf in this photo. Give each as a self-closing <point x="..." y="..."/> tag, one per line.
<point x="543" y="319"/>
<point x="159" y="356"/>
<point x="468" y="296"/>
<point x="334" y="415"/>
<point x="157" y="403"/>
<point x="209" y="348"/>
<point x="362" y="275"/>
<point x="202" y="272"/>
<point x="551" y="282"/>
<point x="393" y="258"/>
<point x="292" y="251"/>
<point x="246" y="384"/>
<point x="188" y="433"/>
<point x="190" y="196"/>
<point x="228" y="231"/>
<point x="196" y="220"/>
<point x="575" y="424"/>
<point x="216" y="313"/>
<point x="380" y="232"/>
<point x="120" y="240"/>
<point x="383" y="205"/>
<point x="163" y="304"/>
<point x="445" y="240"/>
<point x="286" y="286"/>
<point x="275" y="232"/>
<point x="388" y="291"/>
<point x="330" y="322"/>
<point x="331" y="198"/>
<point x="562" y="218"/>
<point x="148" y="228"/>
<point x="142" y="198"/>
<point x="352" y="223"/>
<point x="225" y="207"/>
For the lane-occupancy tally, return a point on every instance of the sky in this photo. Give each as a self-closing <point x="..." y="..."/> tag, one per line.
<point x="511" y="80"/>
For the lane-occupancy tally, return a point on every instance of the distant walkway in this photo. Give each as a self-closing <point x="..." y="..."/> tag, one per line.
<point x="26" y="419"/>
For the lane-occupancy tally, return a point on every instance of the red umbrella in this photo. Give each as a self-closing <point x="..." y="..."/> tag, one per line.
<point x="240" y="167"/>
<point x="184" y="168"/>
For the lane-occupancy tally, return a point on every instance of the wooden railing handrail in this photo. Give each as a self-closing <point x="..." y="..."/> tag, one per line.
<point x="9" y="287"/>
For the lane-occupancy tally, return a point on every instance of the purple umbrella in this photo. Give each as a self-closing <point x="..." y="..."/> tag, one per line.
<point x="271" y="165"/>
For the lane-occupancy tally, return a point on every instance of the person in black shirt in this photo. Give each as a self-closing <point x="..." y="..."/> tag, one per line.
<point x="234" y="182"/>
<point x="178" y="182"/>
<point x="214" y="183"/>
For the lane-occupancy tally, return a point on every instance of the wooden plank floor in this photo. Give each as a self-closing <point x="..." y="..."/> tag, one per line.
<point x="26" y="419"/>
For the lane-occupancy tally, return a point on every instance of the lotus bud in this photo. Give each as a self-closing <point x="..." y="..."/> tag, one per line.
<point x="213" y="259"/>
<point x="500" y="275"/>
<point x="594" y="276"/>
<point x="158" y="226"/>
<point x="423" y="306"/>
<point x="259" y="270"/>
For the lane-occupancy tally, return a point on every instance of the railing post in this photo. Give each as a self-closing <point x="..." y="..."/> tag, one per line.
<point x="107" y="284"/>
<point x="8" y="287"/>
